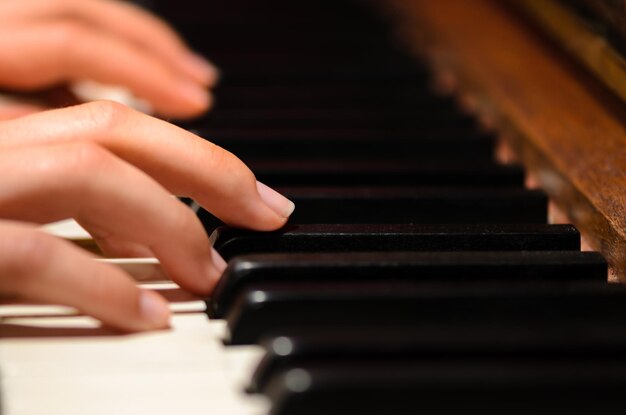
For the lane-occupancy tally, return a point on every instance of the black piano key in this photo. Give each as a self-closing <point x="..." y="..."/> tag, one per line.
<point x="406" y="205"/>
<point x="402" y="97"/>
<point x="334" y="65"/>
<point x="289" y="37"/>
<point x="267" y="309"/>
<point x="451" y="386"/>
<point x="325" y="173"/>
<point x="230" y="242"/>
<point x="450" y="144"/>
<point x="276" y="308"/>
<point x="579" y="340"/>
<point x="335" y="118"/>
<point x="336" y="44"/>
<point x="409" y="205"/>
<point x="355" y="268"/>
<point x="240" y="15"/>
<point x="340" y="71"/>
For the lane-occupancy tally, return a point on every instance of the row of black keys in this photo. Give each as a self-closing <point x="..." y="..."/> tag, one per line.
<point x="492" y="319"/>
<point x="399" y="306"/>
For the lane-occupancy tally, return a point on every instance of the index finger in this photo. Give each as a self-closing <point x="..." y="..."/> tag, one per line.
<point x="184" y="163"/>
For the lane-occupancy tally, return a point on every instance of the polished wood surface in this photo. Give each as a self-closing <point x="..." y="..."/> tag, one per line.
<point x="575" y="35"/>
<point x="609" y="12"/>
<point x="568" y="129"/>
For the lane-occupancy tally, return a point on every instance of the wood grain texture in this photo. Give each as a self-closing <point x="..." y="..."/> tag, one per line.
<point x="573" y="34"/>
<point x="610" y="12"/>
<point x="568" y="129"/>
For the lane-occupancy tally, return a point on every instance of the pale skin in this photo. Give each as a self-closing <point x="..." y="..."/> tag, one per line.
<point x="49" y="42"/>
<point x="112" y="168"/>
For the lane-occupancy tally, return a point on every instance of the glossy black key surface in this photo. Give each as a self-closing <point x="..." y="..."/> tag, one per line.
<point x="410" y="205"/>
<point x="453" y="144"/>
<point x="414" y="205"/>
<point x="320" y="15"/>
<point x="451" y="386"/>
<point x="353" y="268"/>
<point x="336" y="118"/>
<point x="268" y="309"/>
<point x="385" y="66"/>
<point x="325" y="173"/>
<point x="345" y="238"/>
<point x="305" y="71"/>
<point x="579" y="340"/>
<point x="415" y="96"/>
<point x="291" y="40"/>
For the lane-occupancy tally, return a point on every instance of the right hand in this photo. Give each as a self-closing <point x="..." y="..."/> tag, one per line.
<point x="114" y="170"/>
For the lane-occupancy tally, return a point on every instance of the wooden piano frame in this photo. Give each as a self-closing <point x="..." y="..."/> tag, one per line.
<point x="567" y="128"/>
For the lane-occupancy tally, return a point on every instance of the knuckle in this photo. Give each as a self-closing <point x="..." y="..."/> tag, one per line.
<point x="105" y="116"/>
<point x="215" y="156"/>
<point x="184" y="220"/>
<point x="236" y="172"/>
<point x="235" y="176"/>
<point x="243" y="180"/>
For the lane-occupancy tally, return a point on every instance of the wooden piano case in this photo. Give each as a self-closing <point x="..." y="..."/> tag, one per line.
<point x="563" y="114"/>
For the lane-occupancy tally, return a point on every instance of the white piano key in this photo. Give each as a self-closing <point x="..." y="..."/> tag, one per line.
<point x="88" y="90"/>
<point x="241" y="362"/>
<point x="68" y="229"/>
<point x="131" y="394"/>
<point x="141" y="269"/>
<point x="96" y="371"/>
<point x="31" y="310"/>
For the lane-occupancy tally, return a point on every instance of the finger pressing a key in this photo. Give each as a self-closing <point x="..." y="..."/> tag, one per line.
<point x="113" y="200"/>
<point x="38" y="267"/>
<point x="185" y="164"/>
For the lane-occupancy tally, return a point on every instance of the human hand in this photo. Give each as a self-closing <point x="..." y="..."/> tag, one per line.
<point x="48" y="42"/>
<point x="114" y="170"/>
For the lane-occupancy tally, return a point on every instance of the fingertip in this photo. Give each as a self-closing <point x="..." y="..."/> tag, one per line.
<point x="191" y="101"/>
<point x="198" y="97"/>
<point x="282" y="206"/>
<point x="218" y="262"/>
<point x="201" y="70"/>
<point x="154" y="310"/>
<point x="267" y="210"/>
<point x="215" y="270"/>
<point x="209" y="103"/>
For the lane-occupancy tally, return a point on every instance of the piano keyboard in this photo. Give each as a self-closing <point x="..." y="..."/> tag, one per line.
<point x="416" y="274"/>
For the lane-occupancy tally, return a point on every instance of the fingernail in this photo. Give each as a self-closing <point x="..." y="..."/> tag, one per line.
<point x="196" y="96"/>
<point x="201" y="69"/>
<point x="154" y="309"/>
<point x="218" y="261"/>
<point x="277" y="202"/>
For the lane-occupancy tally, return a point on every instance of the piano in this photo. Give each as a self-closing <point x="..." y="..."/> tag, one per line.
<point x="437" y="152"/>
